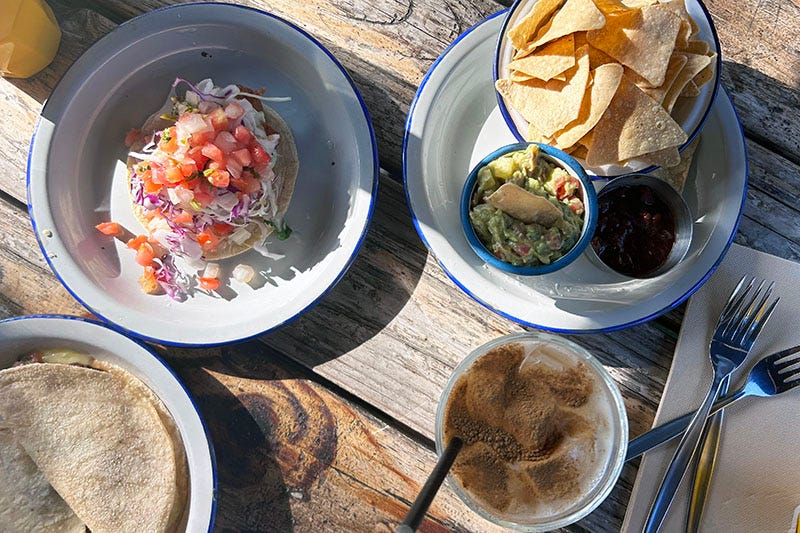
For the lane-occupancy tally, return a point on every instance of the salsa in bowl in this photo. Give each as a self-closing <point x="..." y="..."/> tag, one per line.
<point x="528" y="209"/>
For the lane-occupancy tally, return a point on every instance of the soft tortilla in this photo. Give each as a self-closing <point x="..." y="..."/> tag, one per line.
<point x="286" y="166"/>
<point x="100" y="442"/>
<point x="27" y="501"/>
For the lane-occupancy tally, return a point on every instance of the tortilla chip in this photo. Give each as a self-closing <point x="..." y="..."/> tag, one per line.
<point x="666" y="158"/>
<point x="697" y="47"/>
<point x="604" y="82"/>
<point x="634" y="124"/>
<point x="522" y="33"/>
<point x="613" y="7"/>
<point x="705" y="75"/>
<point x="553" y="104"/>
<point x="6" y="51"/>
<point x="676" y="64"/>
<point x="548" y="62"/>
<point x="574" y="15"/>
<point x="598" y="57"/>
<point x="98" y="442"/>
<point x="579" y="151"/>
<point x="641" y="39"/>
<point x="519" y="77"/>
<point x="690" y="91"/>
<point x="676" y="175"/>
<point x="524" y="205"/>
<point x="535" y="136"/>
<point x="694" y="64"/>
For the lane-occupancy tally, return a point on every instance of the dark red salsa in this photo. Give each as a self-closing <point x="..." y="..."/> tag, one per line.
<point x="635" y="230"/>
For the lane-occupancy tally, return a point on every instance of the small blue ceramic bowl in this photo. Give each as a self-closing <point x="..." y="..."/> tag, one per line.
<point x="558" y="157"/>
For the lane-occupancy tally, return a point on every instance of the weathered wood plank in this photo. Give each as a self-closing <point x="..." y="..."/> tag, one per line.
<point x="761" y="54"/>
<point x="22" y="99"/>
<point x="27" y="286"/>
<point x="293" y="455"/>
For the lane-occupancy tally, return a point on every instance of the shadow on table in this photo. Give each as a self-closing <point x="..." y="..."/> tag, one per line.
<point x="375" y="289"/>
<point x="270" y="447"/>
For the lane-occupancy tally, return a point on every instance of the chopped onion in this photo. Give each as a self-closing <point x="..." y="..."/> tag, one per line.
<point x="243" y="273"/>
<point x="207" y="107"/>
<point x="240" y="235"/>
<point x="212" y="270"/>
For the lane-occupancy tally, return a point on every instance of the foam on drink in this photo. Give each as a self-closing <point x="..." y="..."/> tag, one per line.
<point x="536" y="422"/>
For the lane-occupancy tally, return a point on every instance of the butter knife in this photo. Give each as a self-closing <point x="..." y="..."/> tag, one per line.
<point x="705" y="460"/>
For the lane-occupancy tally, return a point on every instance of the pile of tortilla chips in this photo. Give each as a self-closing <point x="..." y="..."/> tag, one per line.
<point x="599" y="78"/>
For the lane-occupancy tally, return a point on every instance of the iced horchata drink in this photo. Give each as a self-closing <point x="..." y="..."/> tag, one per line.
<point x="544" y="431"/>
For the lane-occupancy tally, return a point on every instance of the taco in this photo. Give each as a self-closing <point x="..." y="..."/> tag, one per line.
<point x="211" y="175"/>
<point x="99" y="438"/>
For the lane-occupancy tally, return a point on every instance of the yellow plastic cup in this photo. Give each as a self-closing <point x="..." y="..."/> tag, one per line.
<point x="29" y="37"/>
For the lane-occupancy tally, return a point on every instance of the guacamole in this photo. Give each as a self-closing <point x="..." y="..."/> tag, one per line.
<point x="515" y="227"/>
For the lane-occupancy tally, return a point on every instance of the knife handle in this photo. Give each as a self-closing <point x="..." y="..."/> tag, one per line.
<point x="675" y="427"/>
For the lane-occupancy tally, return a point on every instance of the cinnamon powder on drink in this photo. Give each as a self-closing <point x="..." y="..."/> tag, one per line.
<point x="515" y="421"/>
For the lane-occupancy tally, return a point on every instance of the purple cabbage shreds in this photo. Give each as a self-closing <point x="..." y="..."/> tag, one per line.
<point x="204" y="96"/>
<point x="172" y="280"/>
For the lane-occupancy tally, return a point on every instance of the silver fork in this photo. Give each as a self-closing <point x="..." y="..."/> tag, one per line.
<point x="738" y="326"/>
<point x="772" y="375"/>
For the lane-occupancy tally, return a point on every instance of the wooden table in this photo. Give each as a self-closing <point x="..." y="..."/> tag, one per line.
<point x="327" y="423"/>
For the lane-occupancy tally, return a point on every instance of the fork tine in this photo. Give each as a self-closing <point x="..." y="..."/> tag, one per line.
<point x="792" y="380"/>
<point x="760" y="317"/>
<point x="740" y="312"/>
<point x="734" y="299"/>
<point x="785" y="362"/>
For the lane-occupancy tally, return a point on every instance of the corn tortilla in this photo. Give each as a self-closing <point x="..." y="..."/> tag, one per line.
<point x="286" y="166"/>
<point x="100" y="442"/>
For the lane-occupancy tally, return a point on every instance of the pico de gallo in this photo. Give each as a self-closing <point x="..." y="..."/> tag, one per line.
<point x="203" y="183"/>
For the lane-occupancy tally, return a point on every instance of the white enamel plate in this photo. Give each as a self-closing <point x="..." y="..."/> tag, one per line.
<point x="454" y="121"/>
<point x="77" y="175"/>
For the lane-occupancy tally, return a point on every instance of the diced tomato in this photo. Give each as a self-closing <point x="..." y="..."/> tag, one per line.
<point x="200" y="138"/>
<point x="188" y="166"/>
<point x="225" y="142"/>
<point x="150" y="187"/>
<point x="203" y="198"/>
<point x="242" y="157"/>
<point x="212" y="151"/>
<point x="169" y="140"/>
<point x="242" y="134"/>
<point x="112" y="229"/>
<point x="221" y="228"/>
<point x="259" y="155"/>
<point x="145" y="254"/>
<point x="219" y="120"/>
<point x="247" y="183"/>
<point x="131" y="137"/>
<point x="209" y="284"/>
<point x="173" y="175"/>
<point x="184" y="217"/>
<point x="219" y="178"/>
<point x="136" y="242"/>
<point x="196" y="155"/>
<point x="208" y="240"/>
<point x="576" y="205"/>
<point x="234" y="110"/>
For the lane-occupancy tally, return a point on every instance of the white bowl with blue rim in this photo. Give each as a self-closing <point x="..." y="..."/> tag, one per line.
<point x="690" y="113"/>
<point x="77" y="174"/>
<point x="21" y="336"/>
<point x="553" y="156"/>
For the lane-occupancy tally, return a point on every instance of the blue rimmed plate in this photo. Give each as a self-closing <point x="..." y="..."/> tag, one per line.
<point x="454" y="121"/>
<point x="77" y="175"/>
<point x="22" y="335"/>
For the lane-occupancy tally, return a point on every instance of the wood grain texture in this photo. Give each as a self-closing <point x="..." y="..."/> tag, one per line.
<point x="293" y="455"/>
<point x="394" y="327"/>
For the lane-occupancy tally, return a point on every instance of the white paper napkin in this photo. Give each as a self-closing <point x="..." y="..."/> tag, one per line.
<point x="756" y="484"/>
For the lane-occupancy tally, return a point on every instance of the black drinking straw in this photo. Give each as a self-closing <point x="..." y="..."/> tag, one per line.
<point x="420" y="506"/>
